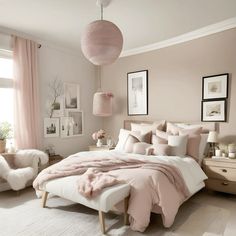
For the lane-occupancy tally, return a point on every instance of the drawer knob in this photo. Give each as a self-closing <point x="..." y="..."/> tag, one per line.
<point x="224" y="170"/>
<point x="225" y="183"/>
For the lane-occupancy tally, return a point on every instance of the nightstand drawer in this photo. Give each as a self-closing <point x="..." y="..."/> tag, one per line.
<point x="221" y="185"/>
<point x="223" y="173"/>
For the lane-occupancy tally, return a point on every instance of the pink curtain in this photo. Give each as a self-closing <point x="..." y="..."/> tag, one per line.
<point x="27" y="123"/>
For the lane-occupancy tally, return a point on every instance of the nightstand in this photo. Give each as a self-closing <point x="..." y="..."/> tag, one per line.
<point x="102" y="148"/>
<point x="54" y="159"/>
<point x="221" y="173"/>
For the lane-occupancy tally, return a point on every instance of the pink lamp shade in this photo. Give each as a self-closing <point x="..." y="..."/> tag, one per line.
<point x="102" y="104"/>
<point x="101" y="42"/>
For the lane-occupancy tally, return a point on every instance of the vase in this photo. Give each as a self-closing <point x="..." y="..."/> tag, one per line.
<point x="2" y="146"/>
<point x="99" y="142"/>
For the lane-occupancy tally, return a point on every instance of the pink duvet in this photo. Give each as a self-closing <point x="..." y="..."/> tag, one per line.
<point x="154" y="185"/>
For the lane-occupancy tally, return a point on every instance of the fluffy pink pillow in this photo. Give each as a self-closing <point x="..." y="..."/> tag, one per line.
<point x="131" y="140"/>
<point x="173" y="129"/>
<point x="194" y="139"/>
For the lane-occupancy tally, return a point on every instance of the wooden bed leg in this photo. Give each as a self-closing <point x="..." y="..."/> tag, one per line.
<point x="102" y="221"/>
<point x="44" y="199"/>
<point x="126" y="215"/>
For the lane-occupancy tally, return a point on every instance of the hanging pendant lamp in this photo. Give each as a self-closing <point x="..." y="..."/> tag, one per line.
<point x="102" y="40"/>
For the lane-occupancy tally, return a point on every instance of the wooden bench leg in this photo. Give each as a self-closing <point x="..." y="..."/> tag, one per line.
<point x="102" y="221"/>
<point x="126" y="215"/>
<point x="44" y="199"/>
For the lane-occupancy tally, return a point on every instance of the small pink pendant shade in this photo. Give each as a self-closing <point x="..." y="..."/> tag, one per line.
<point x="101" y="42"/>
<point x="102" y="104"/>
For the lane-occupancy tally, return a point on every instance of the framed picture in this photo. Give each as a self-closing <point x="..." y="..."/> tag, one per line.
<point x="51" y="127"/>
<point x="66" y="127"/>
<point x="72" y="125"/>
<point x="72" y="96"/>
<point x="215" y="86"/>
<point x="77" y="122"/>
<point x="137" y="90"/>
<point x="58" y="107"/>
<point x="215" y="110"/>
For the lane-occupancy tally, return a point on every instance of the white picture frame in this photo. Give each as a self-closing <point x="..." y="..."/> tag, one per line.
<point x="78" y="122"/>
<point x="66" y="127"/>
<point x="137" y="97"/>
<point x="58" y="110"/>
<point x="72" y="125"/>
<point x="71" y="96"/>
<point x="51" y="127"/>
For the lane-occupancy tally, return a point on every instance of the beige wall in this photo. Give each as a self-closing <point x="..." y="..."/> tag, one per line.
<point x="70" y="68"/>
<point x="175" y="75"/>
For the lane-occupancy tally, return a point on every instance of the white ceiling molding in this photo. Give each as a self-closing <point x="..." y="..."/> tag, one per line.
<point x="202" y="32"/>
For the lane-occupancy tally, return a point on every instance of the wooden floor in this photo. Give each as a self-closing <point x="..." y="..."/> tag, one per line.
<point x="205" y="214"/>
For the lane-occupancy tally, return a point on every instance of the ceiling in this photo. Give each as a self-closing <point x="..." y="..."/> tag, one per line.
<point x="142" y="22"/>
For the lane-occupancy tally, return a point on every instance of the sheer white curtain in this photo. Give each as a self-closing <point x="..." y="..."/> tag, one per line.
<point x="26" y="94"/>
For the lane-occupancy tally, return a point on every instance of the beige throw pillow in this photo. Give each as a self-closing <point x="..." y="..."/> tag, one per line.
<point x="172" y="129"/>
<point x="131" y="140"/>
<point x="193" y="143"/>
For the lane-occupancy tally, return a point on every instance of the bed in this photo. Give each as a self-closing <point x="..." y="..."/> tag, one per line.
<point x="158" y="184"/>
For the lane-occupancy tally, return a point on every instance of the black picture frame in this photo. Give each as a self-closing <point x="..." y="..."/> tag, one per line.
<point x="222" y="103"/>
<point x="220" y="80"/>
<point x="137" y="93"/>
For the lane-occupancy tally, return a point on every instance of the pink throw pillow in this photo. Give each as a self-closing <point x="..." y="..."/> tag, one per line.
<point x="193" y="143"/>
<point x="141" y="148"/>
<point x="161" y="150"/>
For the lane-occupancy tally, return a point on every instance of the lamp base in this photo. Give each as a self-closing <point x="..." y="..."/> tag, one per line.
<point x="211" y="151"/>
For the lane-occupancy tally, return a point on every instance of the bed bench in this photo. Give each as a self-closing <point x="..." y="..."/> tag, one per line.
<point x="66" y="188"/>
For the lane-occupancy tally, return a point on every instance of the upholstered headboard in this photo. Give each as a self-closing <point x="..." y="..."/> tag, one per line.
<point x="207" y="126"/>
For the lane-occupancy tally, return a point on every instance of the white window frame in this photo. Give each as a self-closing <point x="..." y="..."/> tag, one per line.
<point x="6" y="83"/>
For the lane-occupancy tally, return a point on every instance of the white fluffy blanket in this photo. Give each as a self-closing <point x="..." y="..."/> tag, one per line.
<point x="26" y="163"/>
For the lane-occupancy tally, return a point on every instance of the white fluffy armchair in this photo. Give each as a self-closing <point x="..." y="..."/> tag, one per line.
<point x="19" y="170"/>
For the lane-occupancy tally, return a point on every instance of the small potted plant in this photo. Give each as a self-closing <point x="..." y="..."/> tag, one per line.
<point x="99" y="135"/>
<point x="5" y="133"/>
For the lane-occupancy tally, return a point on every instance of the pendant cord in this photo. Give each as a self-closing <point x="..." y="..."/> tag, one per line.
<point x="101" y="12"/>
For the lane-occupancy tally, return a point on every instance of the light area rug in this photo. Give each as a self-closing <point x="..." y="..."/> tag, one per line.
<point x="205" y="214"/>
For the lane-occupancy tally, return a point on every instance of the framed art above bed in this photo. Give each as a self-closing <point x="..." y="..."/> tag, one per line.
<point x="137" y="93"/>
<point x="215" y="86"/>
<point x="214" y="110"/>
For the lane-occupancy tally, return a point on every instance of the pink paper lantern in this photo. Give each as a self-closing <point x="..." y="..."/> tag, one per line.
<point x="101" y="42"/>
<point x="102" y="104"/>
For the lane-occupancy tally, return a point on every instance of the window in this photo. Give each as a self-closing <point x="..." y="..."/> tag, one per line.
<point x="6" y="89"/>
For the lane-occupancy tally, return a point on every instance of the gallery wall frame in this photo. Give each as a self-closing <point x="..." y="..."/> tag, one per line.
<point x="72" y="125"/>
<point x="215" y="86"/>
<point x="51" y="127"/>
<point x="137" y="93"/>
<point x="71" y="96"/>
<point x="214" y="110"/>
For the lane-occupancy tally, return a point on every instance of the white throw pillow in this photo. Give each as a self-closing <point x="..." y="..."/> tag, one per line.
<point x="123" y="135"/>
<point x="178" y="145"/>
